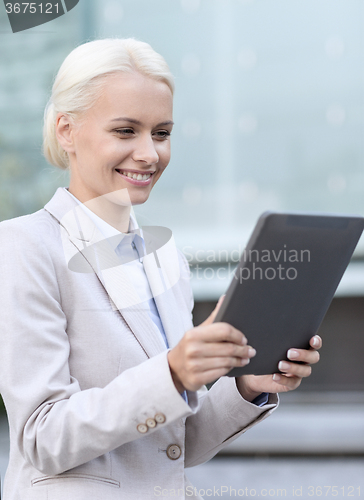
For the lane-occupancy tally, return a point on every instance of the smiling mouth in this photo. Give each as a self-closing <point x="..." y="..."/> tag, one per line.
<point x="134" y="176"/>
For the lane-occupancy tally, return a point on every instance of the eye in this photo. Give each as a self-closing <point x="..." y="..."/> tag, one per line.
<point x="162" y="134"/>
<point x="127" y="131"/>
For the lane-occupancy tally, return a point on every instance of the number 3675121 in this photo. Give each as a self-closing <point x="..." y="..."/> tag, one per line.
<point x="31" y="8"/>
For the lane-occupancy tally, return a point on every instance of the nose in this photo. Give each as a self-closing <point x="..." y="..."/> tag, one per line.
<point x="145" y="150"/>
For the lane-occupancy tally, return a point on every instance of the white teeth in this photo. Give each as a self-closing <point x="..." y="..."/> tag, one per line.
<point x="137" y="177"/>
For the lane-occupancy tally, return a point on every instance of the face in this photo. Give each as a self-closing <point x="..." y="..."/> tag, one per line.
<point x="123" y="141"/>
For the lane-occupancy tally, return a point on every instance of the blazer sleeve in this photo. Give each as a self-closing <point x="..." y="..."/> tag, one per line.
<point x="56" y="425"/>
<point x="223" y="416"/>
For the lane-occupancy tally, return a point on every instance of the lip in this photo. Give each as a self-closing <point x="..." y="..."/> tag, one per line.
<point x="134" y="181"/>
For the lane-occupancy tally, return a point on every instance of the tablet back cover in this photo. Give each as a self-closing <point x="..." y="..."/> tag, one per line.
<point x="285" y="282"/>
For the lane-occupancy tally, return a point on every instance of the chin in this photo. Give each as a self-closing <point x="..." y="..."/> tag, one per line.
<point x="138" y="201"/>
<point x="139" y="198"/>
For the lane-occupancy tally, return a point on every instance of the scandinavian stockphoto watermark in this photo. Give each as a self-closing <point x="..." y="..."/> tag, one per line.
<point x="113" y="255"/>
<point x="268" y="264"/>
<point x="291" y="492"/>
<point x="26" y="15"/>
<point x="218" y="491"/>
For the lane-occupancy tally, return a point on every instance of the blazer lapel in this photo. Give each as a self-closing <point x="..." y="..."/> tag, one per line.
<point x="163" y="273"/>
<point x="88" y="252"/>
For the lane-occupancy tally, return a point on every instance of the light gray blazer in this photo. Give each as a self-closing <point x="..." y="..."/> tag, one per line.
<point x="81" y="368"/>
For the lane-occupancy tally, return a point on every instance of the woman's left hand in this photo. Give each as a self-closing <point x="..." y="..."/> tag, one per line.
<point x="250" y="386"/>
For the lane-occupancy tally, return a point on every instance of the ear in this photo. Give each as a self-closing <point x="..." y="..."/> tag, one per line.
<point x="64" y="132"/>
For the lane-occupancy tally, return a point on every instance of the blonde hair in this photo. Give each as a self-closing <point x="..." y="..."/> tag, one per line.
<point x="82" y="75"/>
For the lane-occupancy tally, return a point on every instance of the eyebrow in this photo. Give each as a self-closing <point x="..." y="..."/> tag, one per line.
<point x="137" y="122"/>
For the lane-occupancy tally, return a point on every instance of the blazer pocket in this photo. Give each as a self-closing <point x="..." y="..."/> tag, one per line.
<point x="38" y="481"/>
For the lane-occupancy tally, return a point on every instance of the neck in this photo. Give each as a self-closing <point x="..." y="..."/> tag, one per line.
<point x="117" y="216"/>
<point x="114" y="208"/>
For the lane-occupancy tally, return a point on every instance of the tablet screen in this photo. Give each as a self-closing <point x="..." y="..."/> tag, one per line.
<point x="285" y="282"/>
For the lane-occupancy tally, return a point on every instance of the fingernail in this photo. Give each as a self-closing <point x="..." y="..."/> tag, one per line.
<point x="283" y="365"/>
<point x="245" y="361"/>
<point x="316" y="342"/>
<point x="276" y="377"/>
<point x="292" y="354"/>
<point x="252" y="352"/>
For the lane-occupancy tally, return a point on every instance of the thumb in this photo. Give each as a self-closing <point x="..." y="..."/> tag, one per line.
<point x="212" y="316"/>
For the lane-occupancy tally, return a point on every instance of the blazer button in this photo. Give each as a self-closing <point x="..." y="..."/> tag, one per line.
<point x="142" y="428"/>
<point x="174" y="451"/>
<point x="151" y="423"/>
<point x="160" y="418"/>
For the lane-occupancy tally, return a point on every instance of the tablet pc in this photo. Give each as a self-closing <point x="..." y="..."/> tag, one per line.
<point x="285" y="282"/>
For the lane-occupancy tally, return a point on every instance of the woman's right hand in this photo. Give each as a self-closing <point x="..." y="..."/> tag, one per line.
<point x="207" y="352"/>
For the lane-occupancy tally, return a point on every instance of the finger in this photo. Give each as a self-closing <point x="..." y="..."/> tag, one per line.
<point x="218" y="305"/>
<point x="309" y="356"/>
<point x="224" y="349"/>
<point x="217" y="332"/>
<point x="316" y="342"/>
<point x="200" y="365"/>
<point x="294" y="369"/>
<point x="212" y="316"/>
<point x="289" y="383"/>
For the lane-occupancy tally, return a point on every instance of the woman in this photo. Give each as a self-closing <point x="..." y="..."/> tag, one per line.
<point x="102" y="372"/>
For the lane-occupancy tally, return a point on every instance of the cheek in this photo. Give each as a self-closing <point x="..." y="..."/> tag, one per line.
<point x="159" y="173"/>
<point x="164" y="153"/>
<point x="109" y="153"/>
<point x="162" y="165"/>
<point x="118" y="150"/>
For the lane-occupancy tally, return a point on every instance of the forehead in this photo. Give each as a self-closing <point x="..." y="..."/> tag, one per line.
<point x="135" y="96"/>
